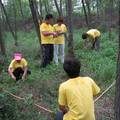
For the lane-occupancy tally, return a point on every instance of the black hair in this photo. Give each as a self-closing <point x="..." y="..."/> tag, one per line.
<point x="60" y="20"/>
<point x="72" y="67"/>
<point x="84" y="35"/>
<point x="48" y="16"/>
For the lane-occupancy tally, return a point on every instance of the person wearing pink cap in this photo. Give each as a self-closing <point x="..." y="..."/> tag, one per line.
<point x="18" y="67"/>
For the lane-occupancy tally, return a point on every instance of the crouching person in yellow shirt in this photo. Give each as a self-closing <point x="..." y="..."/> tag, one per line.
<point x="76" y="94"/>
<point x="18" y="68"/>
<point x="59" y="44"/>
<point x="94" y="35"/>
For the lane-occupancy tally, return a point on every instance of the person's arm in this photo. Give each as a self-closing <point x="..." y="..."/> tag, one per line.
<point x="61" y="33"/>
<point x="45" y="33"/>
<point x="10" y="71"/>
<point x="25" y="72"/>
<point x="95" y="87"/>
<point x="63" y="109"/>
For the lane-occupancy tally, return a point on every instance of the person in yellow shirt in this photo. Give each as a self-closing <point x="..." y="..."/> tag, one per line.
<point x="47" y="33"/>
<point x="76" y="94"/>
<point x="59" y="44"/>
<point x="94" y="35"/>
<point x="18" y="68"/>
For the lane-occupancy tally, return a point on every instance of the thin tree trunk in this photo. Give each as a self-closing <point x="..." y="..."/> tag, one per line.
<point x="57" y="7"/>
<point x="46" y="8"/>
<point x="98" y="14"/>
<point x="7" y="20"/>
<point x="21" y="10"/>
<point x="15" y="24"/>
<point x="36" y="9"/>
<point x="41" y="11"/>
<point x="35" y="20"/>
<point x="117" y="91"/>
<point x="2" y="45"/>
<point x="89" y="10"/>
<point x="61" y="10"/>
<point x="70" y="27"/>
<point x="110" y="24"/>
<point x="86" y="17"/>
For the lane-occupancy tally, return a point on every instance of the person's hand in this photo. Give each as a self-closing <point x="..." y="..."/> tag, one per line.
<point x="55" y="34"/>
<point x="13" y="77"/>
<point x="58" y="31"/>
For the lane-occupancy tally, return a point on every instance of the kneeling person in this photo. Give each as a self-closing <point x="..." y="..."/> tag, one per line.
<point x="18" y="68"/>
<point x="94" y="35"/>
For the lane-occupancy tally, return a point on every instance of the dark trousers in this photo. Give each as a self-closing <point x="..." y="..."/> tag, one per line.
<point x="18" y="73"/>
<point x="59" y="115"/>
<point x="96" y="44"/>
<point x="47" y="54"/>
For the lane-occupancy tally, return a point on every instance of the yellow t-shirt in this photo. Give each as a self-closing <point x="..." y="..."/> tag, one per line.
<point x="14" y="64"/>
<point x="93" y="33"/>
<point x="77" y="94"/>
<point x="46" y="39"/>
<point x="60" y="28"/>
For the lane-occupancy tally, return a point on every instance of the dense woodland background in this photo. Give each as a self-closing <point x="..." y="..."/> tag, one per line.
<point x="19" y="31"/>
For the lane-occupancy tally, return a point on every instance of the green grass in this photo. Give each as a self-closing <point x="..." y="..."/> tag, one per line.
<point x="44" y="84"/>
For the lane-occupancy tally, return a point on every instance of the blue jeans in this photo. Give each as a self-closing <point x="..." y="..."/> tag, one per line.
<point x="59" y="115"/>
<point x="59" y="52"/>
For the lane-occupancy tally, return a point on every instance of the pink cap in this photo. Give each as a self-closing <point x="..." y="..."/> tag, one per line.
<point x="17" y="56"/>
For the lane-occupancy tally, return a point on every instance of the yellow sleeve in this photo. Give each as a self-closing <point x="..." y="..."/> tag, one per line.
<point x="54" y="28"/>
<point x="64" y="28"/>
<point x="99" y="34"/>
<point x="43" y="28"/>
<point x="25" y="63"/>
<point x="95" y="88"/>
<point x="12" y="64"/>
<point x="62" y="96"/>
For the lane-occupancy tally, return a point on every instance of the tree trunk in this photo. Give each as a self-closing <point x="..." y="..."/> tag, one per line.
<point x="21" y="10"/>
<point x="97" y="5"/>
<point x="88" y="8"/>
<point x="35" y="18"/>
<point x="57" y="7"/>
<point x="86" y="17"/>
<point x="2" y="45"/>
<point x="111" y="16"/>
<point x="46" y="8"/>
<point x="117" y="91"/>
<point x="61" y="10"/>
<point x="7" y="20"/>
<point x="36" y="9"/>
<point x="70" y="27"/>
<point x="36" y="21"/>
<point x="41" y="11"/>
<point x="15" y="24"/>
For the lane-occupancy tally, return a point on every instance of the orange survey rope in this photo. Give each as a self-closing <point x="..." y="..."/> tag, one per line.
<point x="52" y="112"/>
<point x="20" y="98"/>
<point x="101" y="95"/>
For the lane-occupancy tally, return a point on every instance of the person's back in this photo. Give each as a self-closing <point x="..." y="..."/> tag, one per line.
<point x="79" y="93"/>
<point x="76" y="94"/>
<point x="94" y="36"/>
<point x="93" y="33"/>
